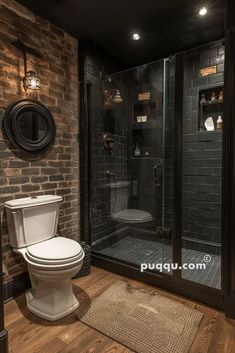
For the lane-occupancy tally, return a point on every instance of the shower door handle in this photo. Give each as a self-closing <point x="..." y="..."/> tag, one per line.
<point x="157" y="174"/>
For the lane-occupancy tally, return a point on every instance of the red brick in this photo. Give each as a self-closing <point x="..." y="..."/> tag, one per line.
<point x="50" y="173"/>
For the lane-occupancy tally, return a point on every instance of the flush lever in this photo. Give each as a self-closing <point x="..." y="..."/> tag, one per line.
<point x="157" y="174"/>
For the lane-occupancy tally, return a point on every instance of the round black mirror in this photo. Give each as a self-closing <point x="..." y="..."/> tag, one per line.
<point x="29" y="126"/>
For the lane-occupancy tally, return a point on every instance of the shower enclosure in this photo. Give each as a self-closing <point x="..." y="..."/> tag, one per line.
<point x="131" y="194"/>
<point x="155" y="170"/>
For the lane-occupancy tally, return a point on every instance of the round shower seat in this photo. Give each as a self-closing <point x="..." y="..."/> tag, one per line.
<point x="132" y="216"/>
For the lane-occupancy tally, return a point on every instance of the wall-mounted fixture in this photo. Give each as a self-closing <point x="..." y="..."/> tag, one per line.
<point x="111" y="93"/>
<point x="30" y="79"/>
<point x="109" y="174"/>
<point x="108" y="142"/>
<point x="117" y="97"/>
<point x="107" y="99"/>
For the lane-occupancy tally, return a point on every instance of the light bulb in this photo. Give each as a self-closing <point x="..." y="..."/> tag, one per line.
<point x="31" y="81"/>
<point x="203" y="11"/>
<point x="135" y="36"/>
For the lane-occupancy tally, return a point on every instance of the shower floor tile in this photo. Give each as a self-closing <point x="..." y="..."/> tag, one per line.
<point x="139" y="251"/>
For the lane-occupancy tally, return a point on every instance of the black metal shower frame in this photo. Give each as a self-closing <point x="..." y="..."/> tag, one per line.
<point x="224" y="298"/>
<point x="173" y="283"/>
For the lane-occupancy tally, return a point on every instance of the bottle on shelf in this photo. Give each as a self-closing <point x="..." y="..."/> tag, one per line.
<point x="203" y="99"/>
<point x="221" y="96"/>
<point x="219" y="122"/>
<point x="213" y="98"/>
<point x="209" y="124"/>
<point x="137" y="150"/>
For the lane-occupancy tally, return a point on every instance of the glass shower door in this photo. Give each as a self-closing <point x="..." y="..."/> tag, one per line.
<point x="135" y="180"/>
<point x="132" y="165"/>
<point x="202" y="164"/>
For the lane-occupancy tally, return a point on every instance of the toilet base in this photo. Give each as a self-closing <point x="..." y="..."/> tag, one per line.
<point x="52" y="301"/>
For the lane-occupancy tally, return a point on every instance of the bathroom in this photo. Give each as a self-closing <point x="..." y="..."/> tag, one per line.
<point x="122" y="180"/>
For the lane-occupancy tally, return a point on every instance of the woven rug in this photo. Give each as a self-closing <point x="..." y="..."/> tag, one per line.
<point x="142" y="320"/>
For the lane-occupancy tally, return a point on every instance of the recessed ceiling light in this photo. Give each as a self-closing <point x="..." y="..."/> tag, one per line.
<point x="203" y="11"/>
<point x="135" y="36"/>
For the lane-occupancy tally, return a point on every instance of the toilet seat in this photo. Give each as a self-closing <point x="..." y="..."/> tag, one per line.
<point x="55" y="251"/>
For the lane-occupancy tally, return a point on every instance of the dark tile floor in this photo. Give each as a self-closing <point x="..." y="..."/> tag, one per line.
<point x="139" y="251"/>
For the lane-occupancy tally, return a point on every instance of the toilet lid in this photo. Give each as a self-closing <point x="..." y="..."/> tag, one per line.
<point x="132" y="216"/>
<point x="57" y="250"/>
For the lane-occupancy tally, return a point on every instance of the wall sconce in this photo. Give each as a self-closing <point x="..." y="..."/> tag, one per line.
<point x="30" y="80"/>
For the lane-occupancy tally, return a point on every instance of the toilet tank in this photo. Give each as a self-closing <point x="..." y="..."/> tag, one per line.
<point x="32" y="220"/>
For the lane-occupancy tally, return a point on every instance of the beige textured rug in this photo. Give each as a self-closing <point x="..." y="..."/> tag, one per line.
<point x="144" y="321"/>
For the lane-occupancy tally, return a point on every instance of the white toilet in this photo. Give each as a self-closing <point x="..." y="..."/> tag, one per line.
<point x="52" y="261"/>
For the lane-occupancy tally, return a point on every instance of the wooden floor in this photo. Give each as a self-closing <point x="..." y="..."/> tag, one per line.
<point x="30" y="334"/>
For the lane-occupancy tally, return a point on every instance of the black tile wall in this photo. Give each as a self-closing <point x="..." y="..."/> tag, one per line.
<point x="149" y="197"/>
<point x="103" y="197"/>
<point x="97" y="67"/>
<point x="202" y="152"/>
<point x="118" y="120"/>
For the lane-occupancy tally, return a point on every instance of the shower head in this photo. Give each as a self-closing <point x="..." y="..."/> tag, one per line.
<point x="117" y="97"/>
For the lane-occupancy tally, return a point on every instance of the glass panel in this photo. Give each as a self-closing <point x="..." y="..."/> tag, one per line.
<point x="131" y="164"/>
<point x="132" y="174"/>
<point x="168" y="162"/>
<point x="202" y="163"/>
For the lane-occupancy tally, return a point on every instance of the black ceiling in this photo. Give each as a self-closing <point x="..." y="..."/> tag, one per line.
<point x="166" y="26"/>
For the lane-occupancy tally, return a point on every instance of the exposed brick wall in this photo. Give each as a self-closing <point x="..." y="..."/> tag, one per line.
<point x="57" y="171"/>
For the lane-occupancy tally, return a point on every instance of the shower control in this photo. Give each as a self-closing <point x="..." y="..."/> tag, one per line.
<point x="157" y="174"/>
<point x="109" y="174"/>
<point x="108" y="142"/>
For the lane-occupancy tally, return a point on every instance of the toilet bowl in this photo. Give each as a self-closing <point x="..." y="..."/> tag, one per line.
<point x="52" y="261"/>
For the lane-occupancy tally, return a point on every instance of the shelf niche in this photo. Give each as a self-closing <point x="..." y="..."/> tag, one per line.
<point x="147" y="123"/>
<point x="209" y="107"/>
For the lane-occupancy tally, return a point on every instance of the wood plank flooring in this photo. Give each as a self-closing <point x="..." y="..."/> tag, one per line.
<point x="30" y="334"/>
